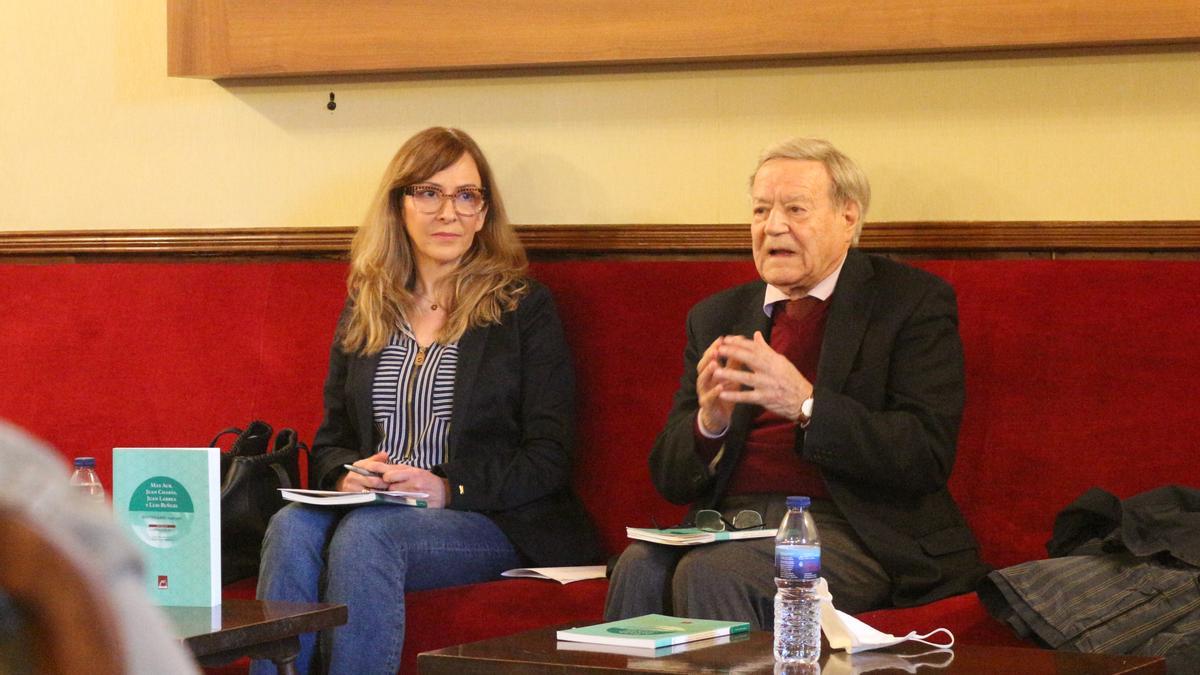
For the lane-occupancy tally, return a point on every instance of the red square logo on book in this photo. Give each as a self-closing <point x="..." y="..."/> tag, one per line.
<point x="162" y="581"/>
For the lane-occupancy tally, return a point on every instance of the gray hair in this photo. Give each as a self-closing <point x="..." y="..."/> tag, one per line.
<point x="848" y="182"/>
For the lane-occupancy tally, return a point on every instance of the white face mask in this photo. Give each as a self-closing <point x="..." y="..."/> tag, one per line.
<point x="846" y="632"/>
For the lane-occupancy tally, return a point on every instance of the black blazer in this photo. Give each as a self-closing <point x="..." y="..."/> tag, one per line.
<point x="888" y="401"/>
<point x="511" y="431"/>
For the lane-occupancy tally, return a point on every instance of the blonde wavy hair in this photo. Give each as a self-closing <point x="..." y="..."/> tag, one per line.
<point x="489" y="280"/>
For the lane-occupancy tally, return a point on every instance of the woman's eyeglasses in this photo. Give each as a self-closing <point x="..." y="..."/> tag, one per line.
<point x="429" y="199"/>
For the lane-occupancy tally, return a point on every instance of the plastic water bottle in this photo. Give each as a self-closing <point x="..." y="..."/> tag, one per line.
<point x="86" y="482"/>
<point x="797" y="568"/>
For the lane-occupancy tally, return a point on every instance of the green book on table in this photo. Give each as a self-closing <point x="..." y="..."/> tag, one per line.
<point x="168" y="499"/>
<point x="652" y="631"/>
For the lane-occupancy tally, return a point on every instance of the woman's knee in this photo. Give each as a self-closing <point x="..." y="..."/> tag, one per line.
<point x="368" y="535"/>
<point x="297" y="526"/>
<point x="367" y="524"/>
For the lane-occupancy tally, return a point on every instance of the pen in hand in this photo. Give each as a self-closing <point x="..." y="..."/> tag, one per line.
<point x="361" y="471"/>
<point x="365" y="472"/>
<point x="372" y="474"/>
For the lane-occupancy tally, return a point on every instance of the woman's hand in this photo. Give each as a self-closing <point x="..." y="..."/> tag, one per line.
<point x="412" y="479"/>
<point x="395" y="477"/>
<point x="353" y="482"/>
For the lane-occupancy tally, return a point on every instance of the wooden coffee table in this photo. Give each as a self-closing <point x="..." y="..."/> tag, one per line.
<point x="255" y="628"/>
<point x="537" y="652"/>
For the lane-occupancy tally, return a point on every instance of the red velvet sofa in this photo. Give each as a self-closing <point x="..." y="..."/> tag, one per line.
<point x="1079" y="374"/>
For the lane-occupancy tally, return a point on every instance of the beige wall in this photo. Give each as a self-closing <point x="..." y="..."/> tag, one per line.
<point x="93" y="135"/>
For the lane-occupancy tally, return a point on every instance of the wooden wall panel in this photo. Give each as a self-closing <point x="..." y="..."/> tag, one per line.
<point x="263" y="38"/>
<point x="942" y="239"/>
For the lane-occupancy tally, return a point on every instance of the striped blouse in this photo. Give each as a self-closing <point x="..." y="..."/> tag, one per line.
<point x="412" y="397"/>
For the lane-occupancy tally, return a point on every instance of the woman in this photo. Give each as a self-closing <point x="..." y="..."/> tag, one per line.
<point x="448" y="375"/>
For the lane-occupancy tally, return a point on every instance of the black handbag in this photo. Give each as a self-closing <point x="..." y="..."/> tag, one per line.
<point x="250" y="480"/>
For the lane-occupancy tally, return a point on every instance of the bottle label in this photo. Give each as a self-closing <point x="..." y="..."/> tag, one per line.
<point x="797" y="562"/>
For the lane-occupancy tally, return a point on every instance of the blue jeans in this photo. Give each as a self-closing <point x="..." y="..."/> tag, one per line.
<point x="366" y="558"/>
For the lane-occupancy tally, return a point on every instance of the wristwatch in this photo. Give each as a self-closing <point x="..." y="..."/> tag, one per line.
<point x="806" y="409"/>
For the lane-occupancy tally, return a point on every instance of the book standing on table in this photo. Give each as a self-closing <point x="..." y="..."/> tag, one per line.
<point x="168" y="500"/>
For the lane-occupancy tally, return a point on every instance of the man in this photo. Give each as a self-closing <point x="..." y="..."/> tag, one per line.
<point x="839" y="376"/>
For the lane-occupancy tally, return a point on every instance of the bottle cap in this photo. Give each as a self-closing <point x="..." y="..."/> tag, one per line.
<point x="798" y="502"/>
<point x="85" y="462"/>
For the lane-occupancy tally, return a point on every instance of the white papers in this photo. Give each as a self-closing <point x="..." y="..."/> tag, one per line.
<point x="563" y="575"/>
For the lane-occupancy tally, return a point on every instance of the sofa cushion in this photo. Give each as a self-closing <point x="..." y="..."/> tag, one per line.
<point x="963" y="614"/>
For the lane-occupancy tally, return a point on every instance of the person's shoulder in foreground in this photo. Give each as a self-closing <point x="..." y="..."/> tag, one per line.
<point x="36" y="489"/>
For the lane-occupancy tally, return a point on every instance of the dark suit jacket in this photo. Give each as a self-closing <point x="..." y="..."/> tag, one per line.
<point x="511" y="431"/>
<point x="886" y="410"/>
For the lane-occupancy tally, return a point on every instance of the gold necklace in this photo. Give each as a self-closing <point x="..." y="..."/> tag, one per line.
<point x="433" y="306"/>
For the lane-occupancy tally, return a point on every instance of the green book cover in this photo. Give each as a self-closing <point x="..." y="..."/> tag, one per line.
<point x="168" y="500"/>
<point x="652" y="631"/>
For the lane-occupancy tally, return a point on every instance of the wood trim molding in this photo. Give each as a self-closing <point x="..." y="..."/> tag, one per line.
<point x="1035" y="236"/>
<point x="223" y="39"/>
<point x="551" y="241"/>
<point x="313" y="241"/>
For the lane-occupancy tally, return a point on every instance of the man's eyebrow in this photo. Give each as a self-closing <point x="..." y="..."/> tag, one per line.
<point x="799" y="197"/>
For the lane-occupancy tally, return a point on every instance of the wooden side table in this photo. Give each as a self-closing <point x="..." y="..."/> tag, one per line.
<point x="254" y="628"/>
<point x="537" y="652"/>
